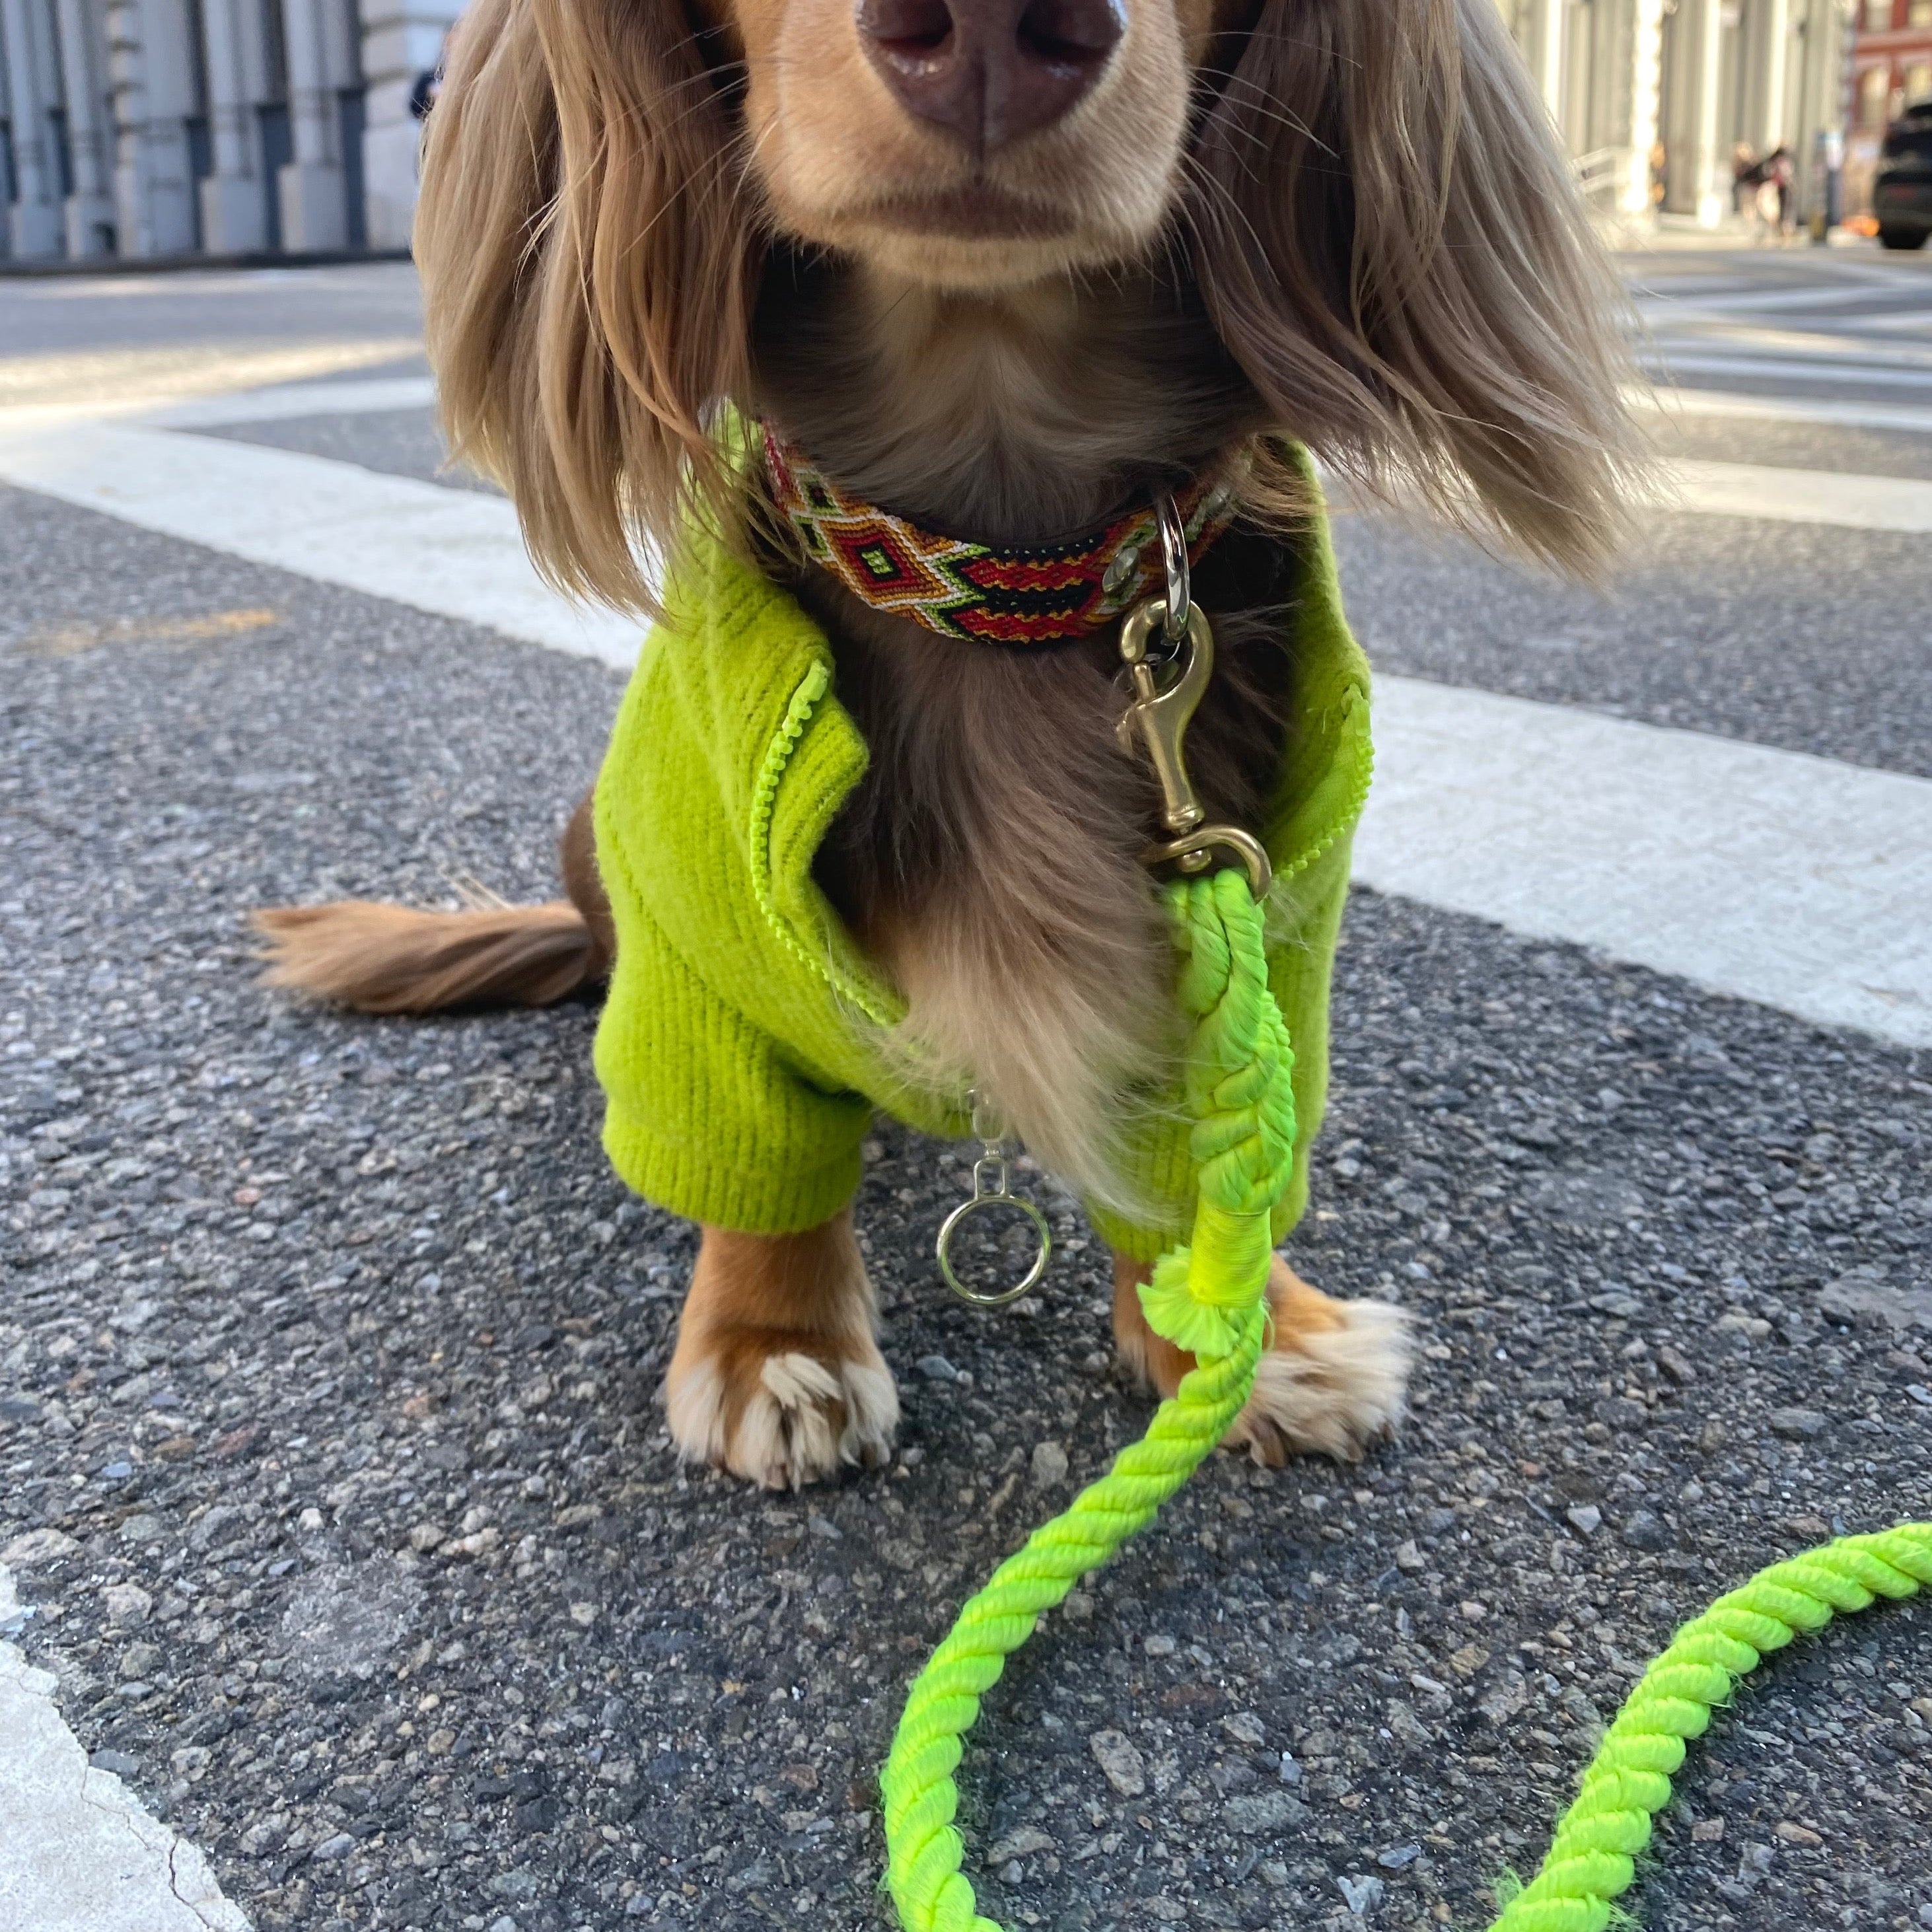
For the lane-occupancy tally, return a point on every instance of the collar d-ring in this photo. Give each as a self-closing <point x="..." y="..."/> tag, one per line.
<point x="1173" y="556"/>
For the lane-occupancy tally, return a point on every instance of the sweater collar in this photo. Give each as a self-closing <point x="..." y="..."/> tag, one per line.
<point x="1021" y="595"/>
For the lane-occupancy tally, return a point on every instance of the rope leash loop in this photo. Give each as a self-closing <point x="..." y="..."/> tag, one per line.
<point x="1592" y="1851"/>
<point x="1208" y="1298"/>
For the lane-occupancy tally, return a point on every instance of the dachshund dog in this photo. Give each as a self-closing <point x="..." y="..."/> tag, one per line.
<point x="1006" y="266"/>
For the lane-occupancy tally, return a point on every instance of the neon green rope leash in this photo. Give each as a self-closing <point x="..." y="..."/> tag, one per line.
<point x="1592" y="1857"/>
<point x="1208" y="1297"/>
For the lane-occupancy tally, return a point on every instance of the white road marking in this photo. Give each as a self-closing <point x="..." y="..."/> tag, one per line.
<point x="1662" y="310"/>
<point x="1667" y="362"/>
<point x="1670" y="401"/>
<point x="78" y="1853"/>
<point x="1795" y="881"/>
<point x="116" y="379"/>
<point x="1897" y="503"/>
<point x="1786" y="879"/>
<point x="1808" y="344"/>
<point x="372" y="394"/>
<point x="456" y="553"/>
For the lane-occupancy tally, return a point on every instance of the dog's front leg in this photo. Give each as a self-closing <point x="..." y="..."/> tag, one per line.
<point x="776" y="1375"/>
<point x="1331" y="1381"/>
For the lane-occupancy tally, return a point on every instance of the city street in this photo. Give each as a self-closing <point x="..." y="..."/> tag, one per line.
<point x="339" y="1533"/>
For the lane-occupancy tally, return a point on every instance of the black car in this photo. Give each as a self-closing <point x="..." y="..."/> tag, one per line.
<point x="1902" y="188"/>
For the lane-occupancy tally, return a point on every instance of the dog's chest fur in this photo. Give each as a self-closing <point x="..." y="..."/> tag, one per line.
<point x="988" y="861"/>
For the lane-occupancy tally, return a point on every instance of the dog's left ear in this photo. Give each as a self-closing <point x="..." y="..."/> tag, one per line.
<point x="589" y="255"/>
<point x="1391" y="244"/>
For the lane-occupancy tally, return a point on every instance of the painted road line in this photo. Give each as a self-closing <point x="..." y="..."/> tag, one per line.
<point x="456" y="553"/>
<point x="129" y="378"/>
<point x="1791" y="880"/>
<point x="1853" y="502"/>
<point x="1661" y="310"/>
<point x="283" y="404"/>
<point x="1669" y="400"/>
<point x="77" y="1853"/>
<point x="1786" y="879"/>
<point x="1665" y="361"/>
<point x="1805" y="343"/>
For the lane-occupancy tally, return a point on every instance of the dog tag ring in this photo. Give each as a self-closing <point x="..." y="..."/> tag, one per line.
<point x="992" y="1188"/>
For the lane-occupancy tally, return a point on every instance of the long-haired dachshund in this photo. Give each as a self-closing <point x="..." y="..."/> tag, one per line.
<point x="893" y="322"/>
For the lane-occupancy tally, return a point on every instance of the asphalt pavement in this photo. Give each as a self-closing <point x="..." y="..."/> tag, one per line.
<point x="332" y="1481"/>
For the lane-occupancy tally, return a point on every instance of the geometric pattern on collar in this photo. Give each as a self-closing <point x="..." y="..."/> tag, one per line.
<point x="1040" y="594"/>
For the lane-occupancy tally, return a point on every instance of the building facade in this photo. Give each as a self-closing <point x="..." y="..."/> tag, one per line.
<point x="156" y="127"/>
<point x="1892" y="66"/>
<point x="1655" y="98"/>
<point x="144" y="128"/>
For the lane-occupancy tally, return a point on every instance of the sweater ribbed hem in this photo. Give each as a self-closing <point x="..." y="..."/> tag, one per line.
<point x="691" y="1181"/>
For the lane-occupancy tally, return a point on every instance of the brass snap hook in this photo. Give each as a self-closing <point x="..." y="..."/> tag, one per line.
<point x="1158" y="718"/>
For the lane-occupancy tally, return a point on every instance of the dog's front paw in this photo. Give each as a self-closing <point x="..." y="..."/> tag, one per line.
<point x="782" y="1410"/>
<point x="1332" y="1389"/>
<point x="1330" y="1383"/>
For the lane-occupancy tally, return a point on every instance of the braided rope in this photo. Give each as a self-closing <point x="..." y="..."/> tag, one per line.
<point x="1208" y="1298"/>
<point x="1591" y="1858"/>
<point x="1209" y="1301"/>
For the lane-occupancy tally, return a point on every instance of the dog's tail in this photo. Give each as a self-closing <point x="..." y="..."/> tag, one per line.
<point x="390" y="959"/>
<point x="381" y="959"/>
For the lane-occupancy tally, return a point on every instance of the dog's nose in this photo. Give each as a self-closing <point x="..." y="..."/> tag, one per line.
<point x="989" y="71"/>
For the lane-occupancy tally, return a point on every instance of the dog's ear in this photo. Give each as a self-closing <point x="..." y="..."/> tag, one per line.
<point x="589" y="265"/>
<point x="1392" y="246"/>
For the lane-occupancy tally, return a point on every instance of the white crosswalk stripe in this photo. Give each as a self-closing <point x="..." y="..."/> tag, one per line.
<point x="1793" y="880"/>
<point x="81" y="1854"/>
<point x="1797" y="882"/>
<point x="1834" y="324"/>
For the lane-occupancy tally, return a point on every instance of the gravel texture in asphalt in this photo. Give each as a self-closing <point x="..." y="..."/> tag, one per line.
<point x="336" y="1488"/>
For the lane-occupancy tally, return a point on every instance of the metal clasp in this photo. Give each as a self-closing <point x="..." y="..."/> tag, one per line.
<point x="1157" y="720"/>
<point x="992" y="1187"/>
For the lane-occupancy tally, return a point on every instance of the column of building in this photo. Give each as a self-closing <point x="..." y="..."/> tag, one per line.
<point x="234" y="204"/>
<point x="152" y="78"/>
<point x="401" y="39"/>
<point x="1634" y="197"/>
<point x="312" y="190"/>
<point x="88" y="216"/>
<point x="33" y="89"/>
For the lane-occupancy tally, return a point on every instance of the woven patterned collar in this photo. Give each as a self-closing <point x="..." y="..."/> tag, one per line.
<point x="1040" y="594"/>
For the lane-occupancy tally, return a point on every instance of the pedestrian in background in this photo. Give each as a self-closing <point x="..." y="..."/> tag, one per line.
<point x="1780" y="168"/>
<point x="429" y="84"/>
<point x="1747" y="172"/>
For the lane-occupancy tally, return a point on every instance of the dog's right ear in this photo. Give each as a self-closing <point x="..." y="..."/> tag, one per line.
<point x="589" y="262"/>
<point x="1390" y="243"/>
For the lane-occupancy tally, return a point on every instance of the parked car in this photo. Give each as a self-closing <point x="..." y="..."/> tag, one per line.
<point x="1902" y="188"/>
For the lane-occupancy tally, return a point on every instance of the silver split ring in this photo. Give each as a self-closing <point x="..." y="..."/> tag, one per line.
<point x="997" y="1193"/>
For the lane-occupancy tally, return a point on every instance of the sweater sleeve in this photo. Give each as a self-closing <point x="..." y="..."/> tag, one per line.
<point x="704" y="1114"/>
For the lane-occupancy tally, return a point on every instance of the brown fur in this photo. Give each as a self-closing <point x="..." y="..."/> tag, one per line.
<point x="1331" y="1381"/>
<point x="989" y="860"/>
<point x="1345" y="221"/>
<point x="799" y="1301"/>
<point x="392" y="959"/>
<point x="1372" y="210"/>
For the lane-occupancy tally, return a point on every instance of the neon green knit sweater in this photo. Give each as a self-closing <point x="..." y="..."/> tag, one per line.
<point x="738" y="1050"/>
